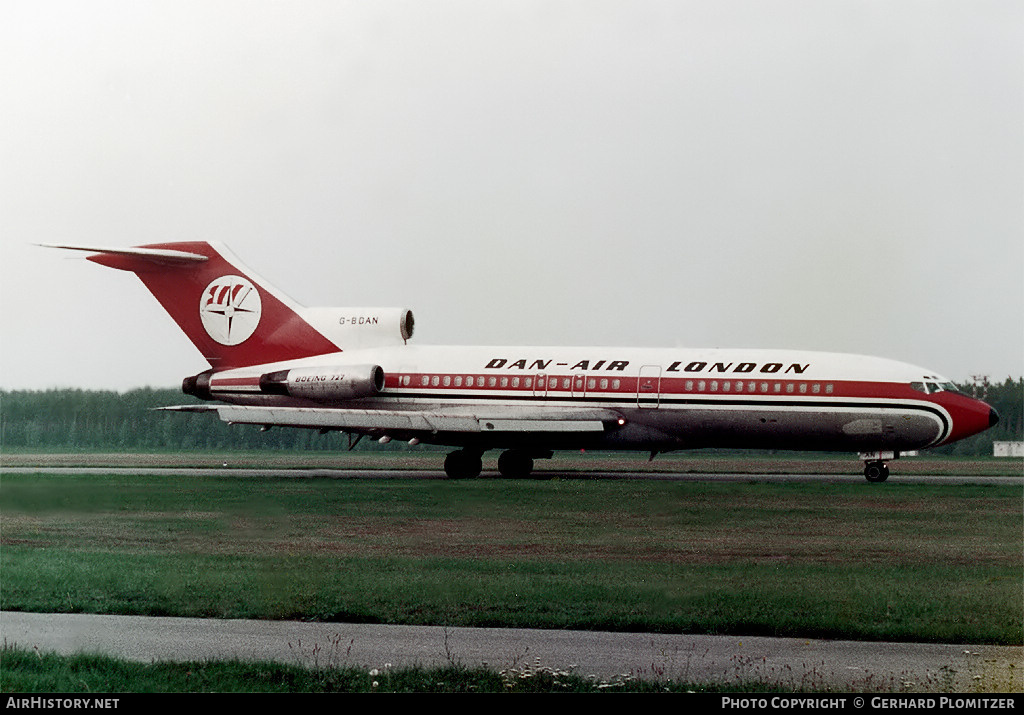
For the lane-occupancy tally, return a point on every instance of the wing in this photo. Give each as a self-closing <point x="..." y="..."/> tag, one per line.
<point x="417" y="422"/>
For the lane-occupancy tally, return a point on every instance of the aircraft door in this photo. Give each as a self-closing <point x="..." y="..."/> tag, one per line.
<point x="540" y="385"/>
<point x="648" y="386"/>
<point x="579" y="385"/>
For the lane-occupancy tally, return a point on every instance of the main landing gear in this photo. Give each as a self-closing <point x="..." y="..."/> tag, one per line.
<point x="463" y="464"/>
<point x="512" y="464"/>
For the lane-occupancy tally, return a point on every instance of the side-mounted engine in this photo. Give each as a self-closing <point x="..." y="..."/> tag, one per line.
<point x="347" y="382"/>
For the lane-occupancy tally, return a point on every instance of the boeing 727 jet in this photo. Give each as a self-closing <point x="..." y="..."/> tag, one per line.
<point x="274" y="362"/>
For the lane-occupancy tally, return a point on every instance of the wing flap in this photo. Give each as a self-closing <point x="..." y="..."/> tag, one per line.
<point x="537" y="421"/>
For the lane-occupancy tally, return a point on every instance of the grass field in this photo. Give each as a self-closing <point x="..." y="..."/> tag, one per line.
<point x="900" y="562"/>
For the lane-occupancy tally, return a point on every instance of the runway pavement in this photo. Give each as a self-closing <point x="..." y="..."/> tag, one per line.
<point x="322" y="473"/>
<point x="840" y="665"/>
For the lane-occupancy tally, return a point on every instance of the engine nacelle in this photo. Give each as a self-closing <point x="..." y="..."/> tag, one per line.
<point x="198" y="385"/>
<point x="355" y="328"/>
<point x="348" y="382"/>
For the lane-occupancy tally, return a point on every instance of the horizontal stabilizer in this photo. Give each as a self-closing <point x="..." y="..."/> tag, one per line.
<point x="156" y="255"/>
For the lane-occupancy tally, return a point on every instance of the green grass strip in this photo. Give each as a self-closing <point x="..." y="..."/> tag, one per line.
<point x="891" y="562"/>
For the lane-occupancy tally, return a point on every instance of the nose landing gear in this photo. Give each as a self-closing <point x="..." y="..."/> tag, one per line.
<point x="875" y="468"/>
<point x="876" y="471"/>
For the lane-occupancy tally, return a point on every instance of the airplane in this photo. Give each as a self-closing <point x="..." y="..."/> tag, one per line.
<point x="274" y="362"/>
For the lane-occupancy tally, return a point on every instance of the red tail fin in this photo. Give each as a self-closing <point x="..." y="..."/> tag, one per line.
<point x="233" y="317"/>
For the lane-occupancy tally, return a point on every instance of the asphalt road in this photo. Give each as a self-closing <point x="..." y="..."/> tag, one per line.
<point x="841" y="665"/>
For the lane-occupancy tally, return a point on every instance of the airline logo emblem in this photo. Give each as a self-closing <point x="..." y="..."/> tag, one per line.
<point x="230" y="309"/>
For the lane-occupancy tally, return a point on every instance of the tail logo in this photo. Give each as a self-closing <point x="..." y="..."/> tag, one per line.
<point x="230" y="309"/>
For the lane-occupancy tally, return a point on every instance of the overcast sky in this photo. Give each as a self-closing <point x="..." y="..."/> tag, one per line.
<point x="839" y="176"/>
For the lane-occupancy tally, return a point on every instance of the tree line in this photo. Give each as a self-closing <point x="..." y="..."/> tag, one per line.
<point x="69" y="419"/>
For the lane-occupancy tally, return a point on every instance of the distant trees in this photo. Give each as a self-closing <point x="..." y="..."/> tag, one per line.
<point x="67" y="420"/>
<point x="106" y="420"/>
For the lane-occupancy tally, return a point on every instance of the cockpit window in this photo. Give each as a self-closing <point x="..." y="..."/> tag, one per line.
<point x="930" y="388"/>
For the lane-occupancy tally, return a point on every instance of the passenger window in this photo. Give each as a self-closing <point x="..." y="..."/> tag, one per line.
<point x="469" y="381"/>
<point x="447" y="380"/>
<point x="615" y="384"/>
<point x="828" y="389"/>
<point x="425" y="380"/>
<point x="458" y="380"/>
<point x="604" y="383"/>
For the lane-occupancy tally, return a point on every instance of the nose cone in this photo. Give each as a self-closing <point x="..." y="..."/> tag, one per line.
<point x="969" y="416"/>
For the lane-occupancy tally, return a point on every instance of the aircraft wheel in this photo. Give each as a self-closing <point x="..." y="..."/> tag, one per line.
<point x="876" y="471"/>
<point x="462" y="465"/>
<point x="515" y="465"/>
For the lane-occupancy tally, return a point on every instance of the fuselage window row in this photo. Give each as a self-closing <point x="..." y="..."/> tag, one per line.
<point x="567" y="383"/>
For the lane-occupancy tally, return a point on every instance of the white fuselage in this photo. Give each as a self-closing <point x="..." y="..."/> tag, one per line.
<point x="666" y="398"/>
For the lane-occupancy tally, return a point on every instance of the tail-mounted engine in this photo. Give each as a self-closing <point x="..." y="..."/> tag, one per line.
<point x="347" y="382"/>
<point x="353" y="328"/>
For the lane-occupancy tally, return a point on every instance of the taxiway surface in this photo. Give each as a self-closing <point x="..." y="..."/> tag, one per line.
<point x="384" y="474"/>
<point x="791" y="662"/>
